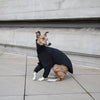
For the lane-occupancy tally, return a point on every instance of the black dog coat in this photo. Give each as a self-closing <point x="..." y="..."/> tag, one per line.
<point x="48" y="57"/>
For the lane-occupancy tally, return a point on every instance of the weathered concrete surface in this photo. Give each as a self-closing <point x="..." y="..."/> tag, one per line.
<point x="45" y="87"/>
<point x="12" y="71"/>
<point x="11" y="97"/>
<point x="13" y="66"/>
<point x="82" y="85"/>
<point x="96" y="95"/>
<point x="10" y="85"/>
<point x="48" y="9"/>
<point x="91" y="85"/>
<point x="60" y="97"/>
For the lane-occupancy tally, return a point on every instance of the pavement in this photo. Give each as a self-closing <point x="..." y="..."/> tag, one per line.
<point x="16" y="81"/>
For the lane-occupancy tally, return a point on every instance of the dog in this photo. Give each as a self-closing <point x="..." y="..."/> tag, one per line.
<point x="50" y="58"/>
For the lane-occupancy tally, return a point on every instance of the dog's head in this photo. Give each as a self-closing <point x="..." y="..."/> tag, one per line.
<point x="42" y="39"/>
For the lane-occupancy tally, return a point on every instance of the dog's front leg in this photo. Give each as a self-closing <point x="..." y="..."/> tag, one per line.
<point x="34" y="76"/>
<point x="41" y="79"/>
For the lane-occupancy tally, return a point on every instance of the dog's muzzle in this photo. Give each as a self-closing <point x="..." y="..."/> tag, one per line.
<point x="48" y="43"/>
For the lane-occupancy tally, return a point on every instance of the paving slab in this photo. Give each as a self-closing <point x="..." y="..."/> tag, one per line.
<point x="6" y="58"/>
<point x="11" y="85"/>
<point x="59" y="97"/>
<point x="32" y="60"/>
<point x="11" y="64"/>
<point x="11" y="97"/>
<point x="68" y="85"/>
<point x="90" y="82"/>
<point x="12" y="81"/>
<point x="96" y="96"/>
<point x="31" y="64"/>
<point x="85" y="70"/>
<point x="12" y="69"/>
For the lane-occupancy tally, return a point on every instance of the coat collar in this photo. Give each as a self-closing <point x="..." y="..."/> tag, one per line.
<point x="39" y="47"/>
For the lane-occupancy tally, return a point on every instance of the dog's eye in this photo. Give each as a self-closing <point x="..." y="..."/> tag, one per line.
<point x="43" y="38"/>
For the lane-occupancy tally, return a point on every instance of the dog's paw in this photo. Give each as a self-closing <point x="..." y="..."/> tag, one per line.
<point x="41" y="79"/>
<point x="52" y="80"/>
<point x="34" y="76"/>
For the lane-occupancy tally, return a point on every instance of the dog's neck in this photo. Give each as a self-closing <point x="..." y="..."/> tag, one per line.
<point x="39" y="47"/>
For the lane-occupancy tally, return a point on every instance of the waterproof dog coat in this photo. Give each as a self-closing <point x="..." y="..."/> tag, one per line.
<point x="48" y="57"/>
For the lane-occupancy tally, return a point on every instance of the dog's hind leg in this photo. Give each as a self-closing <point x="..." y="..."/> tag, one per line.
<point x="60" y="71"/>
<point x="54" y="80"/>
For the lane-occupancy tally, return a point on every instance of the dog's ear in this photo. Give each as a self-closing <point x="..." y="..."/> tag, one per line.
<point x="38" y="34"/>
<point x="46" y="33"/>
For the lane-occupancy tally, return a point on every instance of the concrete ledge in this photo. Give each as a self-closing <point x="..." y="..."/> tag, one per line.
<point x="73" y="23"/>
<point x="33" y="48"/>
<point x="79" y="59"/>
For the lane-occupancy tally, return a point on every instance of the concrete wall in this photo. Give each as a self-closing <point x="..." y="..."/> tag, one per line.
<point x="74" y="40"/>
<point x="82" y="45"/>
<point x="48" y="9"/>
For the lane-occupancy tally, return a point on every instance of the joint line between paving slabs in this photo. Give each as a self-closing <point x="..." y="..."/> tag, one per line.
<point x="25" y="79"/>
<point x="83" y="88"/>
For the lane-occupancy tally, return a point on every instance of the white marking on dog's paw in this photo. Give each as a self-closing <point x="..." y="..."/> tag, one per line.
<point x="41" y="79"/>
<point x="34" y="79"/>
<point x="52" y="80"/>
<point x="34" y="76"/>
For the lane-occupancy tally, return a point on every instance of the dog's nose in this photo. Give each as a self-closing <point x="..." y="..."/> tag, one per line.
<point x="49" y="44"/>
